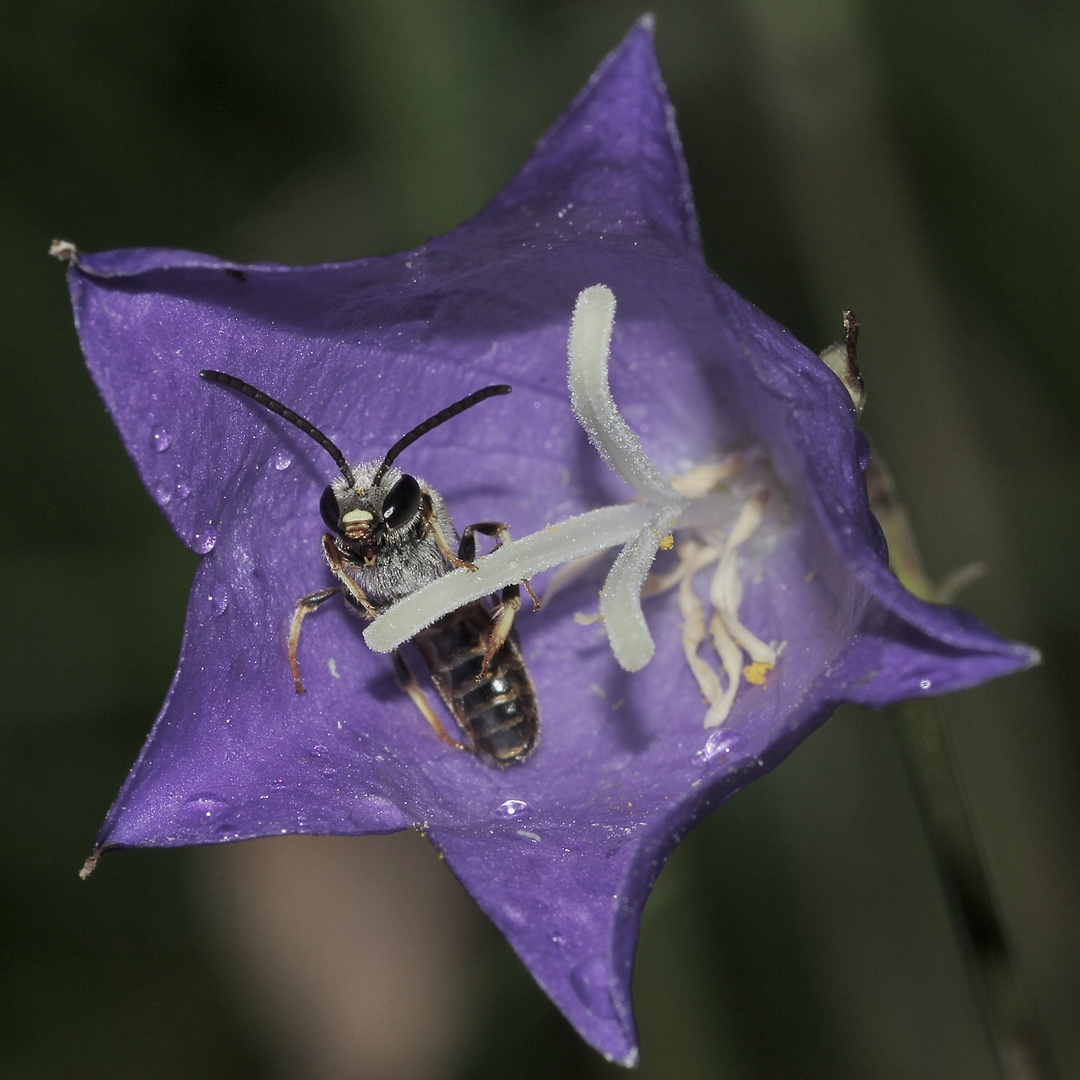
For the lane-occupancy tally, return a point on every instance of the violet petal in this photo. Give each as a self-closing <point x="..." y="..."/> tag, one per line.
<point x="562" y="851"/>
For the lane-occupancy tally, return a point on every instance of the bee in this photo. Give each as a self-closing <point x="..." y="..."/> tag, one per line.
<point x="390" y="534"/>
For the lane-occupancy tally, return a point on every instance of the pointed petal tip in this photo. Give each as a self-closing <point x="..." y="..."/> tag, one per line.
<point x="1008" y="656"/>
<point x="614" y="158"/>
<point x="629" y="1060"/>
<point x="628" y="1055"/>
<point x="639" y="43"/>
<point x="642" y="33"/>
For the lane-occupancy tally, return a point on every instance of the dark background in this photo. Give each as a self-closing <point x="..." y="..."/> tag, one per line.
<point x="916" y="161"/>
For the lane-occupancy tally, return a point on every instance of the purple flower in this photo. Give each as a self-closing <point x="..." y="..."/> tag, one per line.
<point x="780" y="604"/>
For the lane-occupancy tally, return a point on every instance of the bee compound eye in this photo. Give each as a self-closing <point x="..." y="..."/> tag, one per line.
<point x="402" y="503"/>
<point x="328" y="508"/>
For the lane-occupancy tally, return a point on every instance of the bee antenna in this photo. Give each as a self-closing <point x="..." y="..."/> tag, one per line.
<point x="306" y="426"/>
<point x="433" y="422"/>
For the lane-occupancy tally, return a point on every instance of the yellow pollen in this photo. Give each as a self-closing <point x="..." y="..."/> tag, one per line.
<point x="755" y="673"/>
<point x="667" y="543"/>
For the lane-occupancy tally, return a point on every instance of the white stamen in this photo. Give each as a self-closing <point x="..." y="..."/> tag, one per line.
<point x="725" y="592"/>
<point x="694" y="557"/>
<point x="707" y="477"/>
<point x="568" y="574"/>
<point x="731" y="661"/>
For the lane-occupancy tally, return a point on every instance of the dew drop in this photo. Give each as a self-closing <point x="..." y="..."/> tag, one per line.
<point x="516" y="809"/>
<point x="282" y="460"/>
<point x="204" y="542"/>
<point x="590" y="982"/>
<point x="206" y="806"/>
<point x="719" y="744"/>
<point x="163" y="494"/>
<point x="558" y="939"/>
<point x="514" y="915"/>
<point x="373" y="813"/>
<point x="319" y="750"/>
<point x="183" y="490"/>
<point x="219" y="600"/>
<point x="160" y="439"/>
<point x="925" y="684"/>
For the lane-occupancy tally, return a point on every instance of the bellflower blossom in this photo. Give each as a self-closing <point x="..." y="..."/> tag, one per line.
<point x="750" y="593"/>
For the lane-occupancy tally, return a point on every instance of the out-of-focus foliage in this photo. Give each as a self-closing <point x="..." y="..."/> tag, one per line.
<point x="800" y="932"/>
<point x="987" y="108"/>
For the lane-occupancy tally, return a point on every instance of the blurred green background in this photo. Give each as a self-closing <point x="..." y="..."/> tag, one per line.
<point x="915" y="161"/>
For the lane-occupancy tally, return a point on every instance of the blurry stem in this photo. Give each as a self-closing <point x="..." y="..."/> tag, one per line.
<point x="1013" y="1025"/>
<point x="861" y="246"/>
<point x="918" y="727"/>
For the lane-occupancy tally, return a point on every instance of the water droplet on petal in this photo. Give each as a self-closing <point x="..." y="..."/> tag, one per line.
<point x="373" y="813"/>
<point x="160" y="439"/>
<point x="514" y="915"/>
<point x="282" y="461"/>
<point x="183" y="490"/>
<point x="924" y="684"/>
<point x="590" y="982"/>
<point x="204" y="542"/>
<point x="719" y="744"/>
<point x="219" y="600"/>
<point x="318" y="750"/>
<point x="517" y="809"/>
<point x="558" y="939"/>
<point x="163" y="494"/>
<point x="207" y="806"/>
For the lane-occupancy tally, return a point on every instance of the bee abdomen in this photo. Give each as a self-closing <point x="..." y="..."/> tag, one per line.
<point x="499" y="712"/>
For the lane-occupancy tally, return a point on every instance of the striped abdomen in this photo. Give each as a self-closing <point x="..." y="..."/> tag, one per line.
<point x="499" y="713"/>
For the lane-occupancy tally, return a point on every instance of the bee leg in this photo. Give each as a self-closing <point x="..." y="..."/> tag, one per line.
<point x="415" y="691"/>
<point x="501" y="532"/>
<point x="497" y="529"/>
<point x="532" y="596"/>
<point x="304" y="607"/>
<point x="503" y="620"/>
<point x="431" y="522"/>
<point x="337" y="561"/>
<point x="467" y="548"/>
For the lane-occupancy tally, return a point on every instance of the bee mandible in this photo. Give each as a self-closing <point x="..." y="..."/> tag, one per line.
<point x="390" y="534"/>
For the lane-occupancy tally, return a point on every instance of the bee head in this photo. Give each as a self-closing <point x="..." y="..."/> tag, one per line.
<point x="366" y="514"/>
